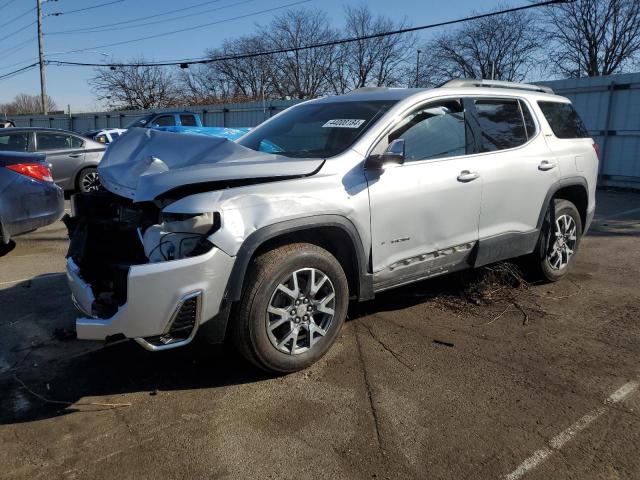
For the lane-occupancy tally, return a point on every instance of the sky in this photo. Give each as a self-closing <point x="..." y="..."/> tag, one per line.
<point x="68" y="85"/>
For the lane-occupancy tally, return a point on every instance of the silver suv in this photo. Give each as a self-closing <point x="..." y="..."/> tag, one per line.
<point x="265" y="240"/>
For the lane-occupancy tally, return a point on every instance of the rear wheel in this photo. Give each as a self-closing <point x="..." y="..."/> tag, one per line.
<point x="292" y="308"/>
<point x="559" y="241"/>
<point x="88" y="180"/>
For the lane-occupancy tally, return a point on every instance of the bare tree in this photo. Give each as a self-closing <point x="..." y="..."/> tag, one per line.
<point x="374" y="61"/>
<point x="594" y="37"/>
<point x="250" y="77"/>
<point x="203" y="84"/>
<point x="25" y="104"/>
<point x="300" y="73"/>
<point x="502" y="47"/>
<point x="135" y="87"/>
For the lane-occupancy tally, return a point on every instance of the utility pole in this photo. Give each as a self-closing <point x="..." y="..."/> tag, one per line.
<point x="418" y="67"/>
<point x="43" y="83"/>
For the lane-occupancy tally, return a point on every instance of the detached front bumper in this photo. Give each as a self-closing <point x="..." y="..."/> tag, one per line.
<point x="158" y="294"/>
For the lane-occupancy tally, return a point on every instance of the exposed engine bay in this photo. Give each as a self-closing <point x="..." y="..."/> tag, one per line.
<point x="109" y="234"/>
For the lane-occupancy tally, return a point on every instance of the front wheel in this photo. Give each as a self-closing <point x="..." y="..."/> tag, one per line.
<point x="292" y="308"/>
<point x="559" y="241"/>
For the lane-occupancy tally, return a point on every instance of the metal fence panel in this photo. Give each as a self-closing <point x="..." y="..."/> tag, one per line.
<point x="247" y="114"/>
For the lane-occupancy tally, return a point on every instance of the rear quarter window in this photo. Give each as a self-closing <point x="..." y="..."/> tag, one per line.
<point x="563" y="120"/>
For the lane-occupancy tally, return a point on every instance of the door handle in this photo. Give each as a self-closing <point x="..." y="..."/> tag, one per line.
<point x="467" y="176"/>
<point x="546" y="165"/>
<point x="75" y="155"/>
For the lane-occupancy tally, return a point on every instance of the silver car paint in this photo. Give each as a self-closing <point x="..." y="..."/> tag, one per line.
<point x="421" y="212"/>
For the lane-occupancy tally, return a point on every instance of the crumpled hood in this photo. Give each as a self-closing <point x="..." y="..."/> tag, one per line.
<point x="145" y="163"/>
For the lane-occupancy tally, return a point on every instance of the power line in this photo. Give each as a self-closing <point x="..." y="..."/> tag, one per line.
<point x="18" y="30"/>
<point x="147" y="17"/>
<point x="18" y="17"/>
<point x="15" y="48"/>
<point x="20" y="70"/>
<point x="21" y="62"/>
<point x="6" y="4"/>
<point x="57" y="14"/>
<point x="138" y="25"/>
<point x="195" y="27"/>
<point x="304" y="47"/>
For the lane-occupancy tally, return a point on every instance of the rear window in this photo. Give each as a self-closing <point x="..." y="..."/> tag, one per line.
<point x="14" y="142"/>
<point x="164" y="121"/>
<point x="188" y="120"/>
<point x="501" y="124"/>
<point x="563" y="120"/>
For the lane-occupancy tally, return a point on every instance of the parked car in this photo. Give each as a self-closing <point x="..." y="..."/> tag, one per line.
<point x="264" y="241"/>
<point x="73" y="158"/>
<point x="6" y="124"/>
<point x="167" y="119"/>
<point x="105" y="135"/>
<point x="28" y="197"/>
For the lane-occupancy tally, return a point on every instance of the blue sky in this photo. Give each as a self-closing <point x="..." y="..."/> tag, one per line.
<point x="68" y="85"/>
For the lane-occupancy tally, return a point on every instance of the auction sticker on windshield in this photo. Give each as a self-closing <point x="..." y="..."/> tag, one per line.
<point x="343" y="123"/>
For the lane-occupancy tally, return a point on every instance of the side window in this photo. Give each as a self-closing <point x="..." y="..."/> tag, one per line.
<point x="188" y="120"/>
<point x="501" y="124"/>
<point x="433" y="131"/>
<point x="14" y="142"/>
<point x="76" y="142"/>
<point x="529" y="122"/>
<point x="56" y="141"/>
<point x="563" y="120"/>
<point x="164" y="121"/>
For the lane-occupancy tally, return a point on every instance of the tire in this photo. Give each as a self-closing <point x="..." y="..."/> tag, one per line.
<point x="88" y="180"/>
<point x="317" y="329"/>
<point x="552" y="261"/>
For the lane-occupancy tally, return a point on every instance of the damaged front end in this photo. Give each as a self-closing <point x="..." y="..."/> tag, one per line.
<point x="133" y="270"/>
<point x="141" y="263"/>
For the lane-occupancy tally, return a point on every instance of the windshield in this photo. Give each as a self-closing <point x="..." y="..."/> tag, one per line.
<point x="142" y="121"/>
<point x="316" y="130"/>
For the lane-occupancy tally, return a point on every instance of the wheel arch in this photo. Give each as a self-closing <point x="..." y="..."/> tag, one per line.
<point x="335" y="233"/>
<point x="574" y="189"/>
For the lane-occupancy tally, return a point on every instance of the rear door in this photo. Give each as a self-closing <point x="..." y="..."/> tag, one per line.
<point x="64" y="152"/>
<point x="518" y="169"/>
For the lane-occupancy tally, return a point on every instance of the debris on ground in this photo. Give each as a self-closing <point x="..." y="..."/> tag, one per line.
<point x="502" y="285"/>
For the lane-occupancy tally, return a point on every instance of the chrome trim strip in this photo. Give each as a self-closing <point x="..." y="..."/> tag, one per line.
<point x="155" y="348"/>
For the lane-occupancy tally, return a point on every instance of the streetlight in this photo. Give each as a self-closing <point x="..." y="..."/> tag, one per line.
<point x="418" y="67"/>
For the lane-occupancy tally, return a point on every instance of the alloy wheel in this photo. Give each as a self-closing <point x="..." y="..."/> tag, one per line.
<point x="564" y="242"/>
<point x="90" y="182"/>
<point x="300" y="311"/>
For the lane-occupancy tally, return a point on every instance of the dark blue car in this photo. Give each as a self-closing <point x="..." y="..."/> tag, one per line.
<point x="28" y="197"/>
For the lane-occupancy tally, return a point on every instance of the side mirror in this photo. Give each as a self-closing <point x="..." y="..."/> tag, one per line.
<point x="393" y="155"/>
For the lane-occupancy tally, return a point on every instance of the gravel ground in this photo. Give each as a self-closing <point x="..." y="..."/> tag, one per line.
<point x="458" y="377"/>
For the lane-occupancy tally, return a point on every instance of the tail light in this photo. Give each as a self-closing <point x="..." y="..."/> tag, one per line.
<point x="36" y="171"/>
<point x="596" y="147"/>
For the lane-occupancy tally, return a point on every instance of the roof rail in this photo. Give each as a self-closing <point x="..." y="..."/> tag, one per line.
<point x="496" y="84"/>
<point x="368" y="90"/>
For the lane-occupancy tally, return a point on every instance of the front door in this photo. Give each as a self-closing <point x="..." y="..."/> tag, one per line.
<point x="424" y="213"/>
